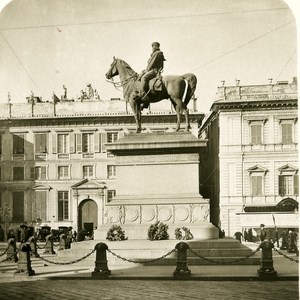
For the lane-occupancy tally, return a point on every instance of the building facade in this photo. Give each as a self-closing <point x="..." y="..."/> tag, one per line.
<point x="249" y="169"/>
<point x="55" y="169"/>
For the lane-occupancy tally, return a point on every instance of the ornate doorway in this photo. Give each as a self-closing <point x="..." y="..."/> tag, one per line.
<point x="88" y="215"/>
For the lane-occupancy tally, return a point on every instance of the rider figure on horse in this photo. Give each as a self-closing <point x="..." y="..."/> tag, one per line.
<point x="154" y="66"/>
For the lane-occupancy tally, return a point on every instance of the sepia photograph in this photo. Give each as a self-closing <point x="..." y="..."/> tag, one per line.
<point x="149" y="149"/>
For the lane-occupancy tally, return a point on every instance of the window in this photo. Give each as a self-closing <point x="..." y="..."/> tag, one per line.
<point x="111" y="172"/>
<point x="256" y="133"/>
<point x="88" y="171"/>
<point x="18" y="173"/>
<point x="40" y="173"/>
<point x="288" y="181"/>
<point x="41" y="143"/>
<point x="63" y="206"/>
<point x="41" y="205"/>
<point x="257" y="180"/>
<point x="112" y="137"/>
<point x="287" y="133"/>
<point x="110" y="195"/>
<point x="63" y="172"/>
<point x="18" y="143"/>
<point x="18" y="207"/>
<point x="257" y="185"/>
<point x="63" y="143"/>
<point x="88" y="142"/>
<point x="288" y="185"/>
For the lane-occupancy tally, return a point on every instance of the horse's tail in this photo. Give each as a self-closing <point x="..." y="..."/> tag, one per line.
<point x="192" y="82"/>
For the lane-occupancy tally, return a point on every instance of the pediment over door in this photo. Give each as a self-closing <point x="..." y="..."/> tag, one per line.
<point x="88" y="184"/>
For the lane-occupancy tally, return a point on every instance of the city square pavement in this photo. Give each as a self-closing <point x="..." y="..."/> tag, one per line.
<point x="52" y="281"/>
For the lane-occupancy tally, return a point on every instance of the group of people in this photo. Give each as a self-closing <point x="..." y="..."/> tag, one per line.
<point x="286" y="239"/>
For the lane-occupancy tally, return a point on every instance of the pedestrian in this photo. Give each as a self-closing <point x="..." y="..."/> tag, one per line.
<point x="69" y="238"/>
<point x="284" y="240"/>
<point x="277" y="237"/>
<point x="245" y="235"/>
<point x="75" y="236"/>
<point x="238" y="235"/>
<point x="250" y="235"/>
<point x="262" y="233"/>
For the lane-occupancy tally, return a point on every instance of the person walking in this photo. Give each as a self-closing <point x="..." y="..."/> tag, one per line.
<point x="262" y="233"/>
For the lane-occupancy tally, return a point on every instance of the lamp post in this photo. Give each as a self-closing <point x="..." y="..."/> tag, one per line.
<point x="5" y="215"/>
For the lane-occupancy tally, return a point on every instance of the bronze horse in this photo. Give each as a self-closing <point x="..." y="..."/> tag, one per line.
<point x="179" y="89"/>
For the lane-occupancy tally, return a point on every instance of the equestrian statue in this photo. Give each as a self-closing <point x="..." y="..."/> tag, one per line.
<point x="150" y="86"/>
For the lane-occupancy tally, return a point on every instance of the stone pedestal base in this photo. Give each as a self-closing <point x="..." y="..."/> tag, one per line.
<point x="202" y="231"/>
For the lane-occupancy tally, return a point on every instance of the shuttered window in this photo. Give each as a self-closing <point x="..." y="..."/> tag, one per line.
<point x="287" y="133"/>
<point x="88" y="142"/>
<point x="288" y="185"/>
<point x="18" y="173"/>
<point x="18" y="207"/>
<point x="41" y="143"/>
<point x="18" y="143"/>
<point x="40" y="173"/>
<point x="111" y="172"/>
<point x="41" y="205"/>
<point x="63" y="143"/>
<point x="63" y="206"/>
<point x="256" y="134"/>
<point x="257" y="185"/>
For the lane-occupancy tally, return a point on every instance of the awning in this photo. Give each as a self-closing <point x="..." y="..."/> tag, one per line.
<point x="282" y="220"/>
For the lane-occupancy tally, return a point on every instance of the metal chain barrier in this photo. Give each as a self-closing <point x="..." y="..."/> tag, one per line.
<point x="222" y="262"/>
<point x="64" y="263"/>
<point x="286" y="256"/>
<point x="141" y="261"/>
<point x="5" y="251"/>
<point x="43" y="247"/>
<point x="10" y="257"/>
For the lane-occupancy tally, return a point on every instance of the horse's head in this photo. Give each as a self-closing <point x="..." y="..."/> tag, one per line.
<point x="113" y="70"/>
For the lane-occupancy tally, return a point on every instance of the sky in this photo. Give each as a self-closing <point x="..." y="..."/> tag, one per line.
<point x="45" y="44"/>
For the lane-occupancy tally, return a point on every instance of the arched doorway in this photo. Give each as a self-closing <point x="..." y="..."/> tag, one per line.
<point x="88" y="215"/>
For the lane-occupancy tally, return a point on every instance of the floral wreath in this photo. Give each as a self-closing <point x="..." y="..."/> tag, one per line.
<point x="187" y="233"/>
<point x="115" y="233"/>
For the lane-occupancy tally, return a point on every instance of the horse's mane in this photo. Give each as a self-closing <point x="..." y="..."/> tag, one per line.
<point x="130" y="71"/>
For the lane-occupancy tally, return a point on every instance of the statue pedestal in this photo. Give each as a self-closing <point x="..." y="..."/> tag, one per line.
<point x="157" y="178"/>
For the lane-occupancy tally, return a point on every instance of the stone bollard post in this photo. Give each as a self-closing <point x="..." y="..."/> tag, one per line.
<point x="32" y="244"/>
<point x="182" y="270"/>
<point x="266" y="265"/>
<point x="12" y="248"/>
<point x="24" y="263"/>
<point x="62" y="242"/>
<point x="101" y="270"/>
<point x="49" y="244"/>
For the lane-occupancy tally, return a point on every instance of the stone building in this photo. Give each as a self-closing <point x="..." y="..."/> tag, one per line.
<point x="54" y="165"/>
<point x="249" y="169"/>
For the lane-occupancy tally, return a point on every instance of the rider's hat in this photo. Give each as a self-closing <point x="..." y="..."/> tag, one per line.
<point x="155" y="44"/>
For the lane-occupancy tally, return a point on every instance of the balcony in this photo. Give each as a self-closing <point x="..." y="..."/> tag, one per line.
<point x="87" y="155"/>
<point x="40" y="156"/>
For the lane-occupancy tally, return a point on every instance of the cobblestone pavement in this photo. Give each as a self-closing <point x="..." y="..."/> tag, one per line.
<point x="148" y="289"/>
